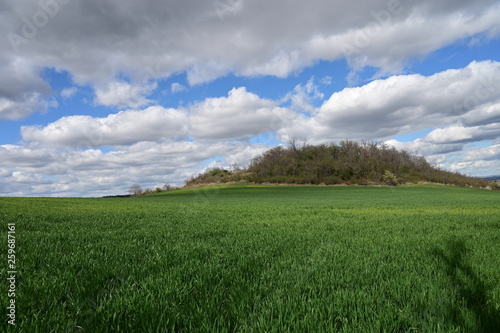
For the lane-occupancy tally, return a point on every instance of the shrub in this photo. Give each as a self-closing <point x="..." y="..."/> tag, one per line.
<point x="218" y="172"/>
<point x="332" y="180"/>
<point x="389" y="178"/>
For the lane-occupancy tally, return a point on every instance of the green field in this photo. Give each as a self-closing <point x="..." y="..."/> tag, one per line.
<point x="258" y="259"/>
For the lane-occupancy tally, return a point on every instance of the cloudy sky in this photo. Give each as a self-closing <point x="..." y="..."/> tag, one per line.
<point x="97" y="95"/>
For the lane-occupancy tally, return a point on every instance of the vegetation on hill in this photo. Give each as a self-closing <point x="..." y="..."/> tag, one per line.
<point x="349" y="162"/>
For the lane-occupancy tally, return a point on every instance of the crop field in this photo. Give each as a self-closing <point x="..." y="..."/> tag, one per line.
<point x="257" y="259"/>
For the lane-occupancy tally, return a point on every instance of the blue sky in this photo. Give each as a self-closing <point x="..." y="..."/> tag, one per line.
<point x="98" y="95"/>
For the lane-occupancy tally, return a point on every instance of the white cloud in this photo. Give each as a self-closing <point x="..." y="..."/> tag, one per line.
<point x="68" y="92"/>
<point x="327" y="80"/>
<point x="122" y="128"/>
<point x="241" y="115"/>
<point x="177" y="87"/>
<point x="408" y="103"/>
<point x="457" y="134"/>
<point x="303" y="96"/>
<point x="469" y="159"/>
<point x="124" y="95"/>
<point x="490" y="153"/>
<point x="205" y="71"/>
<point x="483" y="161"/>
<point x="24" y="177"/>
<point x="425" y="148"/>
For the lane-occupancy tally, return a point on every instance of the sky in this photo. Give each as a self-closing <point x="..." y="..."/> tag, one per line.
<point x="98" y="95"/>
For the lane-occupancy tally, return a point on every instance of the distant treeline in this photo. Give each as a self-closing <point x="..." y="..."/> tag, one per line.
<point x="348" y="162"/>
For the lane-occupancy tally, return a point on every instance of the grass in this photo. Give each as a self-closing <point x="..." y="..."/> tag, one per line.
<point x="259" y="259"/>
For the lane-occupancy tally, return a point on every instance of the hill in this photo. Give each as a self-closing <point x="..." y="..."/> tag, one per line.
<point x="349" y="162"/>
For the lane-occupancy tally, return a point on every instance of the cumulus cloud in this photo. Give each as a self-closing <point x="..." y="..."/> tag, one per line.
<point x="490" y="154"/>
<point x="125" y="127"/>
<point x="240" y="115"/>
<point x="451" y="151"/>
<point x="477" y="161"/>
<point x="303" y="96"/>
<point x="453" y="134"/>
<point x="124" y="95"/>
<point x="426" y="148"/>
<point x="408" y="103"/>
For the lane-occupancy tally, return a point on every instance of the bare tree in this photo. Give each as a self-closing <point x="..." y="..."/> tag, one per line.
<point x="135" y="189"/>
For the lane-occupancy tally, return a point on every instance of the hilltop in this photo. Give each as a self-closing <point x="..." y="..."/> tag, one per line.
<point x="349" y="162"/>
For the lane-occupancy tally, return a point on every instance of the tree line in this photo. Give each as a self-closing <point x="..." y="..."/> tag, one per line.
<point x="348" y="162"/>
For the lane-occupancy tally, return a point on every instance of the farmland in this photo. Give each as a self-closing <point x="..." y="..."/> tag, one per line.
<point x="259" y="259"/>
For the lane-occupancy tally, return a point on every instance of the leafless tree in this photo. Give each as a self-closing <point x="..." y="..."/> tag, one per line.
<point x="135" y="189"/>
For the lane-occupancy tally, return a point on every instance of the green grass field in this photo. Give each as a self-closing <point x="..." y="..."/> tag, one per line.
<point x="258" y="259"/>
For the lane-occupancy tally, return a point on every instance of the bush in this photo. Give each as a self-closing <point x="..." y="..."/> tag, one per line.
<point x="389" y="178"/>
<point x="217" y="172"/>
<point x="333" y="180"/>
